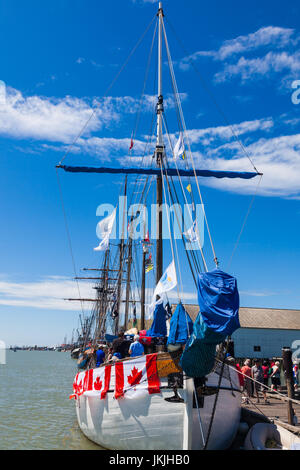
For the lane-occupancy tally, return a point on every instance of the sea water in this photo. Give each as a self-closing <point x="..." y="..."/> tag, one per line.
<point x="35" y="410"/>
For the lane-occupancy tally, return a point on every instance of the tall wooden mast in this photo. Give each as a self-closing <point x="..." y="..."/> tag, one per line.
<point x="159" y="154"/>
<point x="121" y="259"/>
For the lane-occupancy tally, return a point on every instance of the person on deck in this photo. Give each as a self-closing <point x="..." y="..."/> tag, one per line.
<point x="121" y="345"/>
<point x="136" y="348"/>
<point x="100" y="355"/>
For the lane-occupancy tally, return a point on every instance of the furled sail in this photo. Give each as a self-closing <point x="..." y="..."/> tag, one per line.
<point x="181" y="326"/>
<point x="157" y="172"/>
<point x="159" y="326"/>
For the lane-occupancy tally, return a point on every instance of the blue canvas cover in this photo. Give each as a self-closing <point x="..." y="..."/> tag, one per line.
<point x="218" y="299"/>
<point x="198" y="358"/>
<point x="159" y="327"/>
<point x="181" y="326"/>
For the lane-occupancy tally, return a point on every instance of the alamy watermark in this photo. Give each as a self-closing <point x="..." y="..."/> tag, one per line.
<point x="296" y="350"/>
<point x="2" y="353"/>
<point x="296" y="93"/>
<point x="139" y="221"/>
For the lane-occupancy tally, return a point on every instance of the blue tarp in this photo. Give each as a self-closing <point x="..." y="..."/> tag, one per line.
<point x="198" y="358"/>
<point x="181" y="326"/>
<point x="157" y="172"/>
<point x="110" y="338"/>
<point x="159" y="327"/>
<point x="218" y="300"/>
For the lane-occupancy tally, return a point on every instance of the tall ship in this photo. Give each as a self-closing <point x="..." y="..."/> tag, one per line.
<point x="183" y="393"/>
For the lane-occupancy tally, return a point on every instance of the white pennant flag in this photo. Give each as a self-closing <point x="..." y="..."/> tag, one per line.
<point x="192" y="233"/>
<point x="167" y="282"/>
<point x="103" y="245"/>
<point x="105" y="227"/>
<point x="104" y="230"/>
<point x="179" y="151"/>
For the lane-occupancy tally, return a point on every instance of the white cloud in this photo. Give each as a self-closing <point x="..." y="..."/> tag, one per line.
<point x="266" y="36"/>
<point x="48" y="293"/>
<point x="276" y="157"/>
<point x="62" y="119"/>
<point x="269" y="35"/>
<point x="206" y="136"/>
<point x="52" y="119"/>
<point x="249" y="69"/>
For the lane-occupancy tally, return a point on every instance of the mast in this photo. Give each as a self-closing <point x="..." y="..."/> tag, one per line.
<point x="159" y="154"/>
<point x="129" y="263"/>
<point x="121" y="258"/>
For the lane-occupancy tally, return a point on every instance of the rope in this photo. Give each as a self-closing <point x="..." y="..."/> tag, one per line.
<point x="188" y="142"/>
<point x="169" y="226"/>
<point x="183" y="192"/>
<point x="297" y="402"/>
<point x="212" y="96"/>
<point x="244" y="223"/>
<point x="69" y="238"/>
<point x="216" y="400"/>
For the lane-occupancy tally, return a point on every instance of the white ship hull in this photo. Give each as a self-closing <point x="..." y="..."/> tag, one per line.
<point x="151" y="423"/>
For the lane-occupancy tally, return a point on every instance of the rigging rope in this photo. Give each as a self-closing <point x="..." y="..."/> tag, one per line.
<point x="244" y="223"/>
<point x="187" y="138"/>
<point x="108" y="89"/>
<point x="69" y="239"/>
<point x="212" y="96"/>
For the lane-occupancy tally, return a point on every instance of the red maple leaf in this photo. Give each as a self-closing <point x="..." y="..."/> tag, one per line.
<point x="135" y="377"/>
<point x="98" y="384"/>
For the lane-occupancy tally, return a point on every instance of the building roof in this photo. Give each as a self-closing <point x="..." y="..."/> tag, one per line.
<point x="261" y="317"/>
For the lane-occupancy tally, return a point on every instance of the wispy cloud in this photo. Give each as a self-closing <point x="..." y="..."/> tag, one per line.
<point x="275" y="50"/>
<point x="250" y="69"/>
<point x="48" y="293"/>
<point x="259" y="294"/>
<point x="276" y="157"/>
<point x="266" y="36"/>
<point x="62" y="119"/>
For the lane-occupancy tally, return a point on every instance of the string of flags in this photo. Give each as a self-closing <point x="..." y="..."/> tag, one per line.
<point x="132" y="378"/>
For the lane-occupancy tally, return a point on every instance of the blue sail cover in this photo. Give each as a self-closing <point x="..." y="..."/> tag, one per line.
<point x="218" y="299"/>
<point x="159" y="326"/>
<point x="181" y="326"/>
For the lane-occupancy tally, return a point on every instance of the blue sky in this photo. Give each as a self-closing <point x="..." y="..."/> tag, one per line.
<point x="57" y="60"/>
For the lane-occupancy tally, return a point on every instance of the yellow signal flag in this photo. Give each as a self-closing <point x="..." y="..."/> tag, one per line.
<point x="189" y="188"/>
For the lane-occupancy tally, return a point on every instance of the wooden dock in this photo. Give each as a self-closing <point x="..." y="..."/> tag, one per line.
<point x="276" y="409"/>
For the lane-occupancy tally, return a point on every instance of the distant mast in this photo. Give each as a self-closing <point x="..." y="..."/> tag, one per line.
<point x="159" y="153"/>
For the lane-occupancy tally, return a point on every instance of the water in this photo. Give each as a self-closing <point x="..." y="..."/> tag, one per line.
<point x="35" y="410"/>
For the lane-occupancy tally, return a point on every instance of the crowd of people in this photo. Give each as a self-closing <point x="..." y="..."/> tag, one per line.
<point x="258" y="376"/>
<point x="120" y="348"/>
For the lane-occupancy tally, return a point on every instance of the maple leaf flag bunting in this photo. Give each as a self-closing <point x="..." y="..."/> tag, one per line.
<point x="138" y="377"/>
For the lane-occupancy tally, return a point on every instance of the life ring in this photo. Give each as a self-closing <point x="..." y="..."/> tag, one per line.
<point x="264" y="436"/>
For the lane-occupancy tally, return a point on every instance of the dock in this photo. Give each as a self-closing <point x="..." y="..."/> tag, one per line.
<point x="276" y="409"/>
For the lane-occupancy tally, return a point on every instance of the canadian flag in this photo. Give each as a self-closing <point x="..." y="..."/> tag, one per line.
<point x="93" y="382"/>
<point x="138" y="376"/>
<point x="77" y="386"/>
